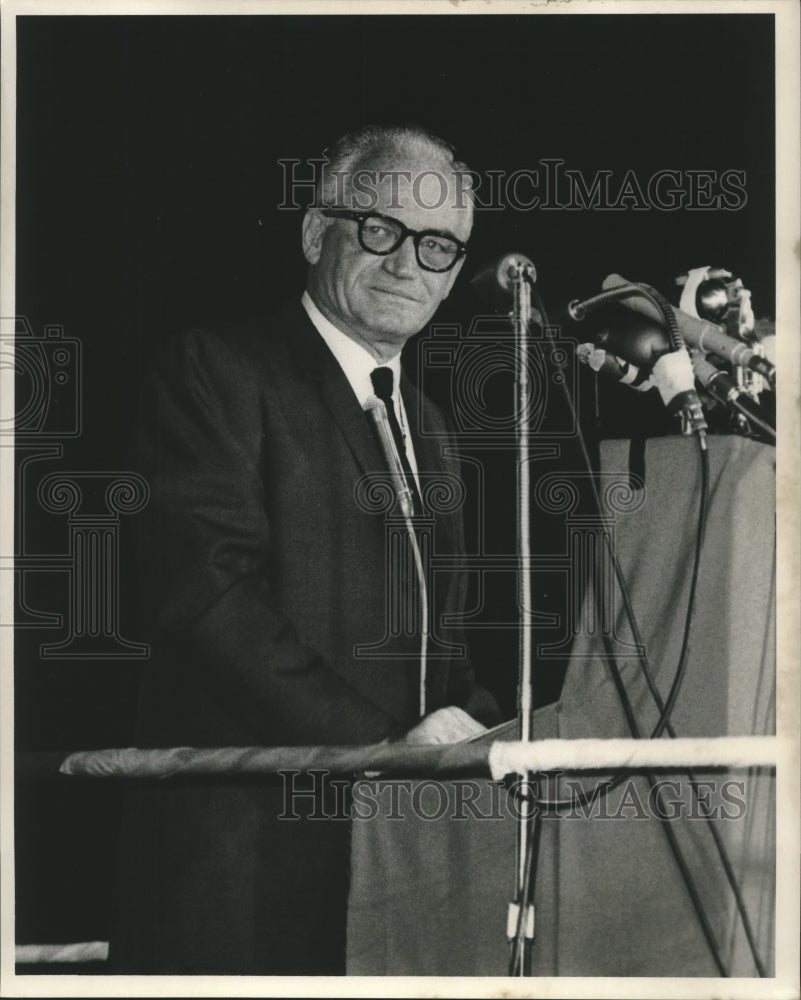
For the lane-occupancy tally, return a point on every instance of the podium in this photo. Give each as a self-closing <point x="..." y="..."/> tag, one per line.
<point x="433" y="869"/>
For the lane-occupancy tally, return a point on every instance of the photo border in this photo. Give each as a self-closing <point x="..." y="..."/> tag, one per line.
<point x="788" y="130"/>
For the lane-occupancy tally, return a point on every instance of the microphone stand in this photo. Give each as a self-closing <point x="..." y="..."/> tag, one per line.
<point x="520" y="928"/>
<point x="513" y="275"/>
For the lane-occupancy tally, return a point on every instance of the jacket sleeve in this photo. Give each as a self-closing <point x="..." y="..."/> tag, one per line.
<point x="206" y="540"/>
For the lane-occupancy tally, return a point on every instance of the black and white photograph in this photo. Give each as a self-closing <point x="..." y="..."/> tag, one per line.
<point x="400" y="499"/>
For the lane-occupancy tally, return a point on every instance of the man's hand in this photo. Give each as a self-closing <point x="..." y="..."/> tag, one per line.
<point x="446" y="725"/>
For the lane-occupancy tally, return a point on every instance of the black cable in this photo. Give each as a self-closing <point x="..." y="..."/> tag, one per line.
<point x="676" y="339"/>
<point x="720" y="847"/>
<point x="731" y="878"/>
<point x="672" y="840"/>
<point x="681" y="670"/>
<point x="686" y="875"/>
<point x="755" y="419"/>
<point x="578" y="310"/>
<point x="604" y="789"/>
<point x="665" y="709"/>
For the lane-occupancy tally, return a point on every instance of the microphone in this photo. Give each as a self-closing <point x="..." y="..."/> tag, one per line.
<point x="637" y="340"/>
<point x="725" y="390"/>
<point x="378" y="413"/>
<point x="647" y="347"/>
<point x="715" y="380"/>
<point x="494" y="281"/>
<point x="700" y="334"/>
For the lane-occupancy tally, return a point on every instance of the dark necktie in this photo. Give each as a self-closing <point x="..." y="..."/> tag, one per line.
<point x="383" y="379"/>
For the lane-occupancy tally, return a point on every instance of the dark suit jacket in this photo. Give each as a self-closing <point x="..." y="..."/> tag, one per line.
<point x="264" y="573"/>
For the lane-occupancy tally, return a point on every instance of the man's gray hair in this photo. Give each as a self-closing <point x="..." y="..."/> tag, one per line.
<point x="353" y="151"/>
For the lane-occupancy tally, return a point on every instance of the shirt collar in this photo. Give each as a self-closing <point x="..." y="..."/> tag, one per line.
<point x="354" y="360"/>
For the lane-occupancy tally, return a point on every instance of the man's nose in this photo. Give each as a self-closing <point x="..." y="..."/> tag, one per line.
<point x="403" y="261"/>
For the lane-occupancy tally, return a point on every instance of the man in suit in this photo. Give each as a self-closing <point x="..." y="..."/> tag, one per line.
<point x="268" y="576"/>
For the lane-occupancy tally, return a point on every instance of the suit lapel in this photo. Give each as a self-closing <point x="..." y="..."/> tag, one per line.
<point x="429" y="438"/>
<point x="428" y="430"/>
<point x="352" y="421"/>
<point x="320" y="365"/>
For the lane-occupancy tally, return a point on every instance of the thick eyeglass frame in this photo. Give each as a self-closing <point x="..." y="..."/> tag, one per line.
<point x="361" y="217"/>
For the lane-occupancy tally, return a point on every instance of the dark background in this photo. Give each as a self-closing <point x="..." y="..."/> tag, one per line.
<point x="147" y="192"/>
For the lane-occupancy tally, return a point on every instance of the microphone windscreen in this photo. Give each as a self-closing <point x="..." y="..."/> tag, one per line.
<point x="632" y="336"/>
<point x="494" y="282"/>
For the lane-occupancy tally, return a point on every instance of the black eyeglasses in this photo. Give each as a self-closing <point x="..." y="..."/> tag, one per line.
<point x="382" y="235"/>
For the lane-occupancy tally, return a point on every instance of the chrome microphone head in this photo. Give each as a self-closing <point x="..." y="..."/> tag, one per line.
<point x="496" y="280"/>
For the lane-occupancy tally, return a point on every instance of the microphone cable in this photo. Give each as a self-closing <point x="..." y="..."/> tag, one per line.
<point x="424" y="624"/>
<point x="579" y="310"/>
<point x="665" y="708"/>
<point x="755" y="419"/>
<point x="681" y="669"/>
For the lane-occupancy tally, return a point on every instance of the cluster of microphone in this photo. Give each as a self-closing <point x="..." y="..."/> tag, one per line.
<point x="637" y="351"/>
<point x="639" y="347"/>
<point x="705" y="337"/>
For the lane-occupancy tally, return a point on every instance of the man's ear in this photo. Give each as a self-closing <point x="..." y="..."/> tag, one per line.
<point x="314" y="227"/>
